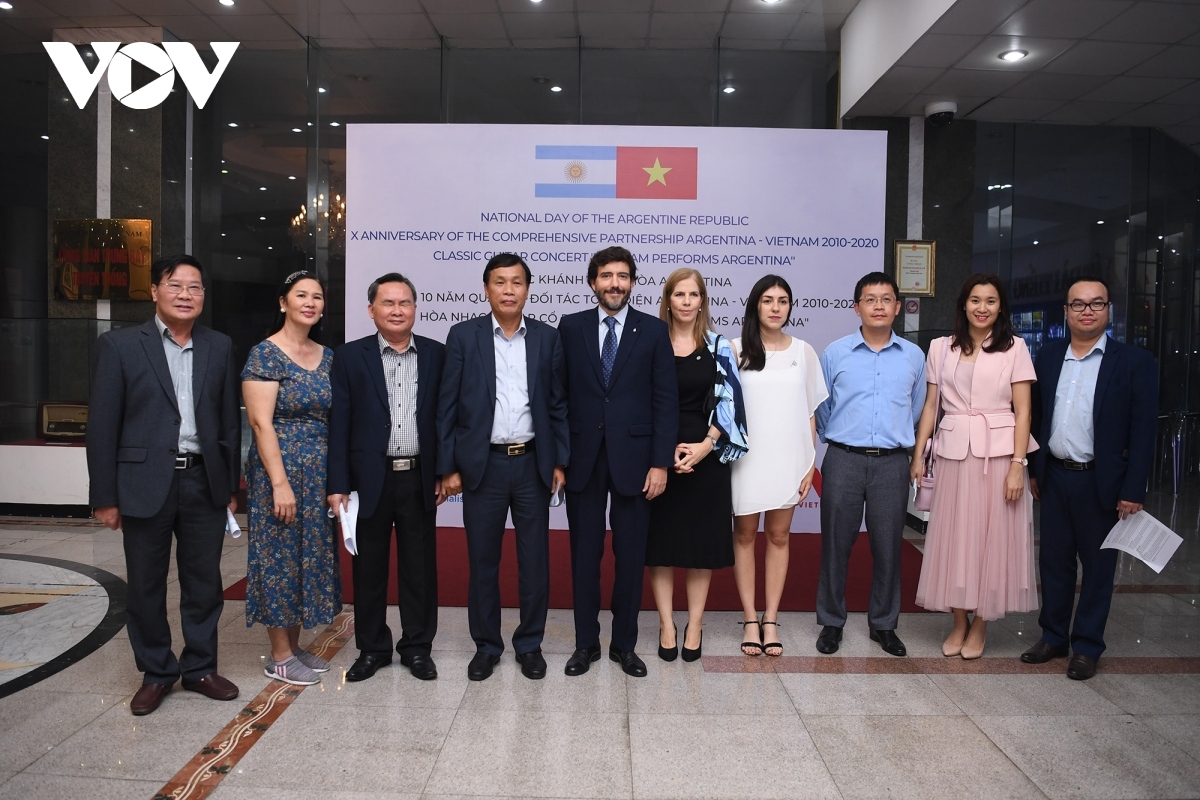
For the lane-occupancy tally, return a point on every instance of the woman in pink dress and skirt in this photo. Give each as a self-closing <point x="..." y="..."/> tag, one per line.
<point x="979" y="544"/>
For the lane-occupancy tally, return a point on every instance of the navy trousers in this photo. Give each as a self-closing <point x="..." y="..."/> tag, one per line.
<point x="630" y="519"/>
<point x="1074" y="525"/>
<point x="509" y="482"/>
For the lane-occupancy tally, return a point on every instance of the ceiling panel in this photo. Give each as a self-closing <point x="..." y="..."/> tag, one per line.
<point x="975" y="17"/>
<point x="26" y="9"/>
<point x="1188" y="94"/>
<point x="1177" y="61"/>
<point x="1086" y="112"/>
<point x="382" y="6"/>
<point x="1153" y="22"/>
<point x="1047" y="86"/>
<point x="193" y="28"/>
<point x="615" y="6"/>
<point x="397" y="26"/>
<point x="1014" y="109"/>
<point x="469" y="26"/>
<point x="880" y="104"/>
<point x="1128" y="89"/>
<point x="907" y="80"/>
<point x="939" y="50"/>
<point x="544" y="7"/>
<point x="1041" y="51"/>
<point x="1069" y="19"/>
<point x="694" y="6"/>
<point x="260" y="27"/>
<point x="1103" y="58"/>
<point x="982" y="83"/>
<point x="567" y="42"/>
<point x="614" y="26"/>
<point x="340" y="26"/>
<point x="535" y="26"/>
<point x="83" y="8"/>
<point x="154" y="6"/>
<point x="459" y="6"/>
<point x="685" y="26"/>
<point x="752" y="44"/>
<point x="1157" y="115"/>
<point x="915" y="107"/>
<point x="758" y="26"/>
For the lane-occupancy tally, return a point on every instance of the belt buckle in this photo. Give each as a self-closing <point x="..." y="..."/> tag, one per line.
<point x="402" y="464"/>
<point x="1075" y="466"/>
<point x="871" y="451"/>
<point x="516" y="449"/>
<point x="181" y="462"/>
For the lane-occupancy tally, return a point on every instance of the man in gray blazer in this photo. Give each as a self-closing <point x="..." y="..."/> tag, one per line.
<point x="163" y="452"/>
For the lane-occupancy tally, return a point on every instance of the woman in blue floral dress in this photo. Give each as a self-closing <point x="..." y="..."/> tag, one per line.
<point x="292" y="577"/>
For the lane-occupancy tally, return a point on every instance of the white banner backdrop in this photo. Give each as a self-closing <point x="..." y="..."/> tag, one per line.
<point x="435" y="202"/>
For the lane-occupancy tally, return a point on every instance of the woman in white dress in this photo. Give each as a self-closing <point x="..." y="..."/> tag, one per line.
<point x="782" y="386"/>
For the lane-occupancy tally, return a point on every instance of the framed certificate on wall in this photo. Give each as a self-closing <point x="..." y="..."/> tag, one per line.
<point x="916" y="268"/>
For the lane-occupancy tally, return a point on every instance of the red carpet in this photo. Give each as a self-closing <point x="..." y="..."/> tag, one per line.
<point x="799" y="594"/>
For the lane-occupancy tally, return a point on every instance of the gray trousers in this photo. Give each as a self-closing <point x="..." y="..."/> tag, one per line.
<point x="850" y="481"/>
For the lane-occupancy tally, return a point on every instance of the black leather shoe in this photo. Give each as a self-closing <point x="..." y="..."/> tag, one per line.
<point x="1042" y="652"/>
<point x="581" y="660"/>
<point x="830" y="639"/>
<point x="420" y="665"/>
<point x="1081" y="667"/>
<point x="630" y="663"/>
<point x="366" y="665"/>
<point x="480" y="668"/>
<point x="890" y="642"/>
<point x="533" y="665"/>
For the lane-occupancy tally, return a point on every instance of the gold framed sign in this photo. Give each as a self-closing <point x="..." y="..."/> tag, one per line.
<point x="102" y="259"/>
<point x="916" y="267"/>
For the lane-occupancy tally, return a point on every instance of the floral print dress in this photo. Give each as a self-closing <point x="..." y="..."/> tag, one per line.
<point x="292" y="573"/>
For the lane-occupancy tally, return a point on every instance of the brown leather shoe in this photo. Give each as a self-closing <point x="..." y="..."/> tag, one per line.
<point x="148" y="698"/>
<point x="214" y="686"/>
<point x="1081" y="667"/>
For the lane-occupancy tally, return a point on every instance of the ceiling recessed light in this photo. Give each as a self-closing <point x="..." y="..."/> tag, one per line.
<point x="1099" y="222"/>
<point x="270" y="248"/>
<point x="6" y="6"/>
<point x="771" y="2"/>
<point x="262" y="218"/>
<point x="224" y="172"/>
<point x="556" y="88"/>
<point x="226" y="2"/>
<point x="222" y="234"/>
<point x="262" y="188"/>
<point x="291" y="177"/>
<point x="1013" y="55"/>
<point x="1035" y="241"/>
<point x="729" y="90"/>
<point x="44" y="136"/>
<point x="297" y="130"/>
<point x="321" y="89"/>
<point x="233" y="124"/>
<point x="334" y="124"/>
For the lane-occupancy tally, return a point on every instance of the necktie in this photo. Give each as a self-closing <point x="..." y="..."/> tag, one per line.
<point x="608" y="355"/>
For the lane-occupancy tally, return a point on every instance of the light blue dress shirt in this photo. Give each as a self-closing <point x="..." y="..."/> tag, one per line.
<point x="1071" y="433"/>
<point x="512" y="422"/>
<point x="875" y="399"/>
<point x="620" y="326"/>
<point x="179" y="362"/>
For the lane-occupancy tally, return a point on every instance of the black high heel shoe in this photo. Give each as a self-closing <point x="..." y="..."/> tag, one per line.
<point x="668" y="653"/>
<point x="688" y="654"/>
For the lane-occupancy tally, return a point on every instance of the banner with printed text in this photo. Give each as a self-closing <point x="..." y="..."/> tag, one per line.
<point x="437" y="201"/>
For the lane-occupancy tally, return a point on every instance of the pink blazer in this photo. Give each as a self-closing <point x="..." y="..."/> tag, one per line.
<point x="984" y="427"/>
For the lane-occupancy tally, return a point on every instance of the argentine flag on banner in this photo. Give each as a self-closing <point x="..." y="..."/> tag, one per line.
<point x="575" y="171"/>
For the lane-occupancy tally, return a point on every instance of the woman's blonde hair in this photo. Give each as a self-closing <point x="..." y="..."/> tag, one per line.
<point x="702" y="322"/>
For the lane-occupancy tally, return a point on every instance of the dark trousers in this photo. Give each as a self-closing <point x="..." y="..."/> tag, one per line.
<point x="630" y="520"/>
<point x="508" y="482"/>
<point x="1074" y="525"/>
<point x="199" y="531"/>
<point x="849" y="482"/>
<point x="402" y="505"/>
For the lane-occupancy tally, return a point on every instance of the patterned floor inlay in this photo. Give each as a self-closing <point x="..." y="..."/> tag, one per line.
<point x="943" y="666"/>
<point x="215" y="760"/>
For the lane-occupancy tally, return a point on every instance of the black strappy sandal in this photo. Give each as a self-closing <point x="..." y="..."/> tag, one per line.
<point x="767" y="645"/>
<point x="756" y="646"/>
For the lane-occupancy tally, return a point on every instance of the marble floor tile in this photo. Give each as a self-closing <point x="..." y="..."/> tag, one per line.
<point x="1022" y="695"/>
<point x="108" y="670"/>
<point x="83" y="552"/>
<point x="602" y="690"/>
<point x="1139" y="605"/>
<point x="1138" y="636"/>
<point x="846" y="695"/>
<point x="36" y="723"/>
<point x="678" y="688"/>
<point x="1090" y="757"/>
<point x="1150" y="694"/>
<point x="225" y="791"/>
<point x="368" y="749"/>
<point x="1181" y="730"/>
<point x="28" y="786"/>
<point x="535" y="754"/>
<point x="718" y="756"/>
<point x="119" y="745"/>
<point x="919" y="757"/>
<point x="23" y="546"/>
<point x="391" y="687"/>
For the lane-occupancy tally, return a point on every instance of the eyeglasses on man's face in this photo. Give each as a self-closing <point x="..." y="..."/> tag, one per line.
<point x="175" y="289"/>
<point x="876" y="301"/>
<point x="1096" y="305"/>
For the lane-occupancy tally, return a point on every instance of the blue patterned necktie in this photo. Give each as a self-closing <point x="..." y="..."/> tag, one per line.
<point x="608" y="356"/>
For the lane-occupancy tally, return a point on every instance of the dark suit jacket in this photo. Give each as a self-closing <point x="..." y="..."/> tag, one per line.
<point x="133" y="419"/>
<point x="360" y="421"/>
<point x="637" y="416"/>
<point x="467" y="404"/>
<point x="1124" y="417"/>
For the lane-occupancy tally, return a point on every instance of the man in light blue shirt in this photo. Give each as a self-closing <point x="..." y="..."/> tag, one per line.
<point x="876" y="386"/>
<point x="504" y="439"/>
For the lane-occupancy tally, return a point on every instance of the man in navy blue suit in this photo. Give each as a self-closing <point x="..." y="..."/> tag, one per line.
<point x="1095" y="415"/>
<point x="502" y="425"/>
<point x="623" y="408"/>
<point x="383" y="444"/>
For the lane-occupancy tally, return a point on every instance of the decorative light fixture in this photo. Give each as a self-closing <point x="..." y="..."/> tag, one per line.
<point x="291" y="177"/>
<point x="262" y="219"/>
<point x="321" y="89"/>
<point x="729" y="90"/>
<point x="335" y="229"/>
<point x="1013" y="55"/>
<point x="771" y="2"/>
<point x="262" y="188"/>
<point x="297" y="130"/>
<point x="44" y="136"/>
<point x="233" y="124"/>
<point x="556" y="88"/>
<point x="226" y="2"/>
<point x="1099" y="222"/>
<point x="334" y="124"/>
<point x="224" y="172"/>
<point x="1035" y="241"/>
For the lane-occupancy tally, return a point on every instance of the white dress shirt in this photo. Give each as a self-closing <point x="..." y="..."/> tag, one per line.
<point x="512" y="422"/>
<point x="1071" y="430"/>
<point x="619" y="328"/>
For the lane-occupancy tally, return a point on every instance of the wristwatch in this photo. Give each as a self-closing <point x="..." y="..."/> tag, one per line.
<point x="712" y="439"/>
<point x="1024" y="462"/>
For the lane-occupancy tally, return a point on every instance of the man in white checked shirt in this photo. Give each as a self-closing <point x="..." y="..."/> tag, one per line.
<point x="383" y="444"/>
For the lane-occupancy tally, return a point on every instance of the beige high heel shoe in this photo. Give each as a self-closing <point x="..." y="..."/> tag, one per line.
<point x="968" y="653"/>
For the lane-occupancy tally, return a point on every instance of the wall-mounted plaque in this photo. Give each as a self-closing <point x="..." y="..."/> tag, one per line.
<point x="102" y="259"/>
<point x="916" y="267"/>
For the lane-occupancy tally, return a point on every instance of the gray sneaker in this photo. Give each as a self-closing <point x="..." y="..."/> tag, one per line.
<point x="291" y="671"/>
<point x="315" y="663"/>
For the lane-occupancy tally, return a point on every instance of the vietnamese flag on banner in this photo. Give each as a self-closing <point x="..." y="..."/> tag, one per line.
<point x="657" y="173"/>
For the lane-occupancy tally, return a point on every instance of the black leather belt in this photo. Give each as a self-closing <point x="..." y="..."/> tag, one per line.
<point x="514" y="449"/>
<point x="403" y="464"/>
<point x="869" y="451"/>
<point x="188" y="461"/>
<point x="1074" y="466"/>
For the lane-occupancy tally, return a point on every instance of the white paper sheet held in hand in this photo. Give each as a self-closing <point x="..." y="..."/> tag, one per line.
<point x="231" y="525"/>
<point x="1144" y="537"/>
<point x="348" y="516"/>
